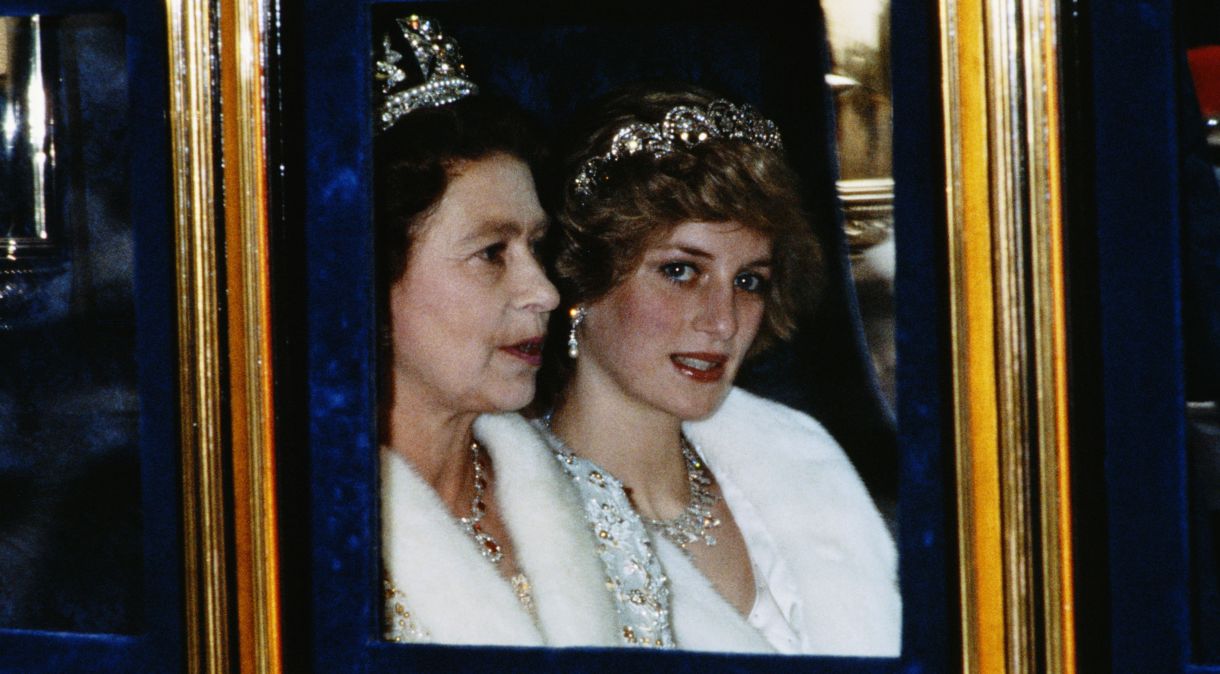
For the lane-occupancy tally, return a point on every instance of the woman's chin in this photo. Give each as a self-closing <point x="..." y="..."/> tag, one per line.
<point x="699" y="407"/>
<point x="510" y="399"/>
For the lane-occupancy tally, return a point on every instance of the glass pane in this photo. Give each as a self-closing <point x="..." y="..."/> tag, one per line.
<point x="70" y="529"/>
<point x="758" y="504"/>
<point x="860" y="77"/>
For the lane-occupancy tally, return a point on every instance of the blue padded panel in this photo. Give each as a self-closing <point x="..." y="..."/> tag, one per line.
<point x="1138" y="221"/>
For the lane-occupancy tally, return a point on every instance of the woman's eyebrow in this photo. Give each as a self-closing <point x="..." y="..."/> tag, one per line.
<point x="506" y="228"/>
<point x="693" y="251"/>
<point x="763" y="262"/>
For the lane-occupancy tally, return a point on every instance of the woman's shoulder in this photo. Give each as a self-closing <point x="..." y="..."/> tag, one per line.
<point x="751" y="419"/>
<point x="784" y="461"/>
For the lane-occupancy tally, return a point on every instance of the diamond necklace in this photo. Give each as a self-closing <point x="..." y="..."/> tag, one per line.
<point x="696" y="521"/>
<point x="487" y="545"/>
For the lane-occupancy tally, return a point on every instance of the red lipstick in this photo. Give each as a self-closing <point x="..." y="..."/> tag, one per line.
<point x="700" y="366"/>
<point x="529" y="350"/>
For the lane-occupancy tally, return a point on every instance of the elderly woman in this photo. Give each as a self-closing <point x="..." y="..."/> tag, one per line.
<point x="483" y="539"/>
<point x="682" y="250"/>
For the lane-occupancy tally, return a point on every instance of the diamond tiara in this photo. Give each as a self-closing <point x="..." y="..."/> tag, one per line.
<point x="684" y="126"/>
<point x="440" y="61"/>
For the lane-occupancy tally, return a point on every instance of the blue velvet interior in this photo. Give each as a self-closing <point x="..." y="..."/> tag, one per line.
<point x="1201" y="357"/>
<point x="926" y="486"/>
<point x="89" y="446"/>
<point x="1138" y="223"/>
<point x="552" y="58"/>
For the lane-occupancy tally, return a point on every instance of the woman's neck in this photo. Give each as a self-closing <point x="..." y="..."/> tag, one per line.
<point x="437" y="444"/>
<point x="639" y="444"/>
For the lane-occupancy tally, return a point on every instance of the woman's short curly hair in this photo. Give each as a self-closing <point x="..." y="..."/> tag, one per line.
<point x="598" y="240"/>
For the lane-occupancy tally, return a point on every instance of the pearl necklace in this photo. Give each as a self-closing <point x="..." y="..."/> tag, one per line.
<point x="696" y="521"/>
<point x="487" y="544"/>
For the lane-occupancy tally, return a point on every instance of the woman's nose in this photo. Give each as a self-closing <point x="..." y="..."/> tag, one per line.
<point x="535" y="291"/>
<point x="718" y="313"/>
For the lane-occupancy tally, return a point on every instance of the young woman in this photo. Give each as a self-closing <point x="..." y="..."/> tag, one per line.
<point x="682" y="250"/>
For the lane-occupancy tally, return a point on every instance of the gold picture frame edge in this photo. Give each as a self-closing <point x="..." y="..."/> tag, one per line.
<point x="243" y="55"/>
<point x="206" y="600"/>
<point x="999" y="61"/>
<point x="251" y="583"/>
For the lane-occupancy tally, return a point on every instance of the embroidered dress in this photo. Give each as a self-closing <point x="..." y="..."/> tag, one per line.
<point x="824" y="563"/>
<point x="637" y="582"/>
<point x="400" y="625"/>
<point x="442" y="589"/>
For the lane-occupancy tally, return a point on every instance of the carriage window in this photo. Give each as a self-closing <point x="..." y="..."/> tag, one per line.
<point x="70" y="520"/>
<point x="860" y="79"/>
<point x="443" y="258"/>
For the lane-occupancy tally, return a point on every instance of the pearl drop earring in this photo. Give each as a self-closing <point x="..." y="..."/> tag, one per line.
<point x="577" y="314"/>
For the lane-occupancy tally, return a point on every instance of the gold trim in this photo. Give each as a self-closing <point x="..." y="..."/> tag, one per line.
<point x="1050" y="337"/>
<point x="1005" y="97"/>
<point x="190" y="113"/>
<point x="1008" y="331"/>
<point x="243" y="87"/>
<point x="972" y="317"/>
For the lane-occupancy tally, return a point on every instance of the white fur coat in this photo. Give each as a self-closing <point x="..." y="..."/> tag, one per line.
<point x="458" y="597"/>
<point x="824" y="524"/>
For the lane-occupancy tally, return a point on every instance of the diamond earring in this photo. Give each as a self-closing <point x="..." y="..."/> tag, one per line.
<point x="577" y="314"/>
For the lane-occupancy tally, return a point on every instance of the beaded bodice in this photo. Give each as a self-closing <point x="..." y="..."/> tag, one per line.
<point x="639" y="585"/>
<point x="400" y="625"/>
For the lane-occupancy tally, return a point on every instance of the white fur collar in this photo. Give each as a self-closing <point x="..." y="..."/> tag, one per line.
<point x="460" y="598"/>
<point x="819" y="514"/>
<point x="701" y="618"/>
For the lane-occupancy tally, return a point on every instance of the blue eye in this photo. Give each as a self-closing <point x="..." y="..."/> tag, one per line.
<point x="679" y="272"/>
<point x="751" y="283"/>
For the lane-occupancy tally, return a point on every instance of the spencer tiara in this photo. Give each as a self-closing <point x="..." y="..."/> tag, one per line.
<point x="440" y="61"/>
<point x="683" y="126"/>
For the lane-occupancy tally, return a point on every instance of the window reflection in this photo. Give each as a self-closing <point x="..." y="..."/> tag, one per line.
<point x="70" y="528"/>
<point x="860" y="78"/>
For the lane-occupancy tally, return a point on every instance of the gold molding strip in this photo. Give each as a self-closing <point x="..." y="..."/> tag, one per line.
<point x="972" y="314"/>
<point x="1041" y="29"/>
<point x="1000" y="93"/>
<point x="190" y="114"/>
<point x="1009" y="215"/>
<point x="247" y="247"/>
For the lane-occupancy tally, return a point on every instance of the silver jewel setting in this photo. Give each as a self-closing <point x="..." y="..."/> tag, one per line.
<point x="697" y="521"/>
<point x="684" y="126"/>
<point x="440" y="61"/>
